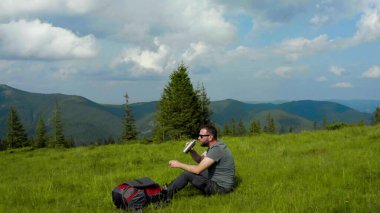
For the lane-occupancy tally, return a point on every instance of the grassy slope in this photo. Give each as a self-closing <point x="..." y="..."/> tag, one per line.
<point x="324" y="171"/>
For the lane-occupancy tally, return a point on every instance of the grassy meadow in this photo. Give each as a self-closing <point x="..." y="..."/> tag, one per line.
<point x="321" y="171"/>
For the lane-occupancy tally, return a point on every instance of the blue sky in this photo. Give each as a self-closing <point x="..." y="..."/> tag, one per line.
<point x="244" y="49"/>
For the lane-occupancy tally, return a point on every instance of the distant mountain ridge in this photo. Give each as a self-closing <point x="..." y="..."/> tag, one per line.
<point x="86" y="121"/>
<point x="368" y="106"/>
<point x="82" y="119"/>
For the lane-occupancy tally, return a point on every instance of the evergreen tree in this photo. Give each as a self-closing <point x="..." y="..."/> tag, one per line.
<point x="179" y="114"/>
<point x="2" y="145"/>
<point x="233" y="127"/>
<point x="325" y="123"/>
<point x="204" y="101"/>
<point x="129" y="130"/>
<point x="70" y="142"/>
<point x="361" y="123"/>
<point x="255" y="127"/>
<point x="226" y="130"/>
<point x="58" y="137"/>
<point x="376" y="116"/>
<point x="270" y="125"/>
<point x="15" y="136"/>
<point x="315" y="125"/>
<point x="40" y="139"/>
<point x="241" y="130"/>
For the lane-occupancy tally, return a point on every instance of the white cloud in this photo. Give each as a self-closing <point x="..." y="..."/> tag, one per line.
<point x="294" y="48"/>
<point x="319" y="20"/>
<point x="342" y="85"/>
<point x="242" y="52"/>
<point x="195" y="50"/>
<point x="322" y="78"/>
<point x="373" y="72"/>
<point x="368" y="26"/>
<point x="37" y="40"/>
<point x="337" y="70"/>
<point x="151" y="61"/>
<point x="285" y="71"/>
<point x="177" y="24"/>
<point x="20" y="8"/>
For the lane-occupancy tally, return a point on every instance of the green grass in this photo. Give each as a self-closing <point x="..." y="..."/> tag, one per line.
<point x="322" y="171"/>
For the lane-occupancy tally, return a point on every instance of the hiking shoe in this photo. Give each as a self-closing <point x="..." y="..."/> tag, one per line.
<point x="165" y="196"/>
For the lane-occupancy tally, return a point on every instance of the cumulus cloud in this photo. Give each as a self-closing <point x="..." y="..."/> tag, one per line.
<point x="242" y="52"/>
<point x="177" y="24"/>
<point x="337" y="70"/>
<point x="17" y="9"/>
<point x="285" y="71"/>
<point x="319" y="20"/>
<point x="368" y="26"/>
<point x="342" y="85"/>
<point x="195" y="50"/>
<point x="38" y="40"/>
<point x="294" y="48"/>
<point x="322" y="78"/>
<point x="146" y="60"/>
<point x="373" y="72"/>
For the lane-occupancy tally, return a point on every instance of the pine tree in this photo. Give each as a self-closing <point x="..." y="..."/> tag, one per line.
<point x="226" y="130"/>
<point x="40" y="139"/>
<point x="376" y="116"/>
<point x="233" y="127"/>
<point x="270" y="127"/>
<point x="255" y="127"/>
<point x="241" y="130"/>
<point x="2" y="145"/>
<point x="58" y="137"/>
<point x="179" y="113"/>
<point x="205" y="111"/>
<point x="129" y="130"/>
<point x="258" y="127"/>
<point x="16" y="136"/>
<point x="315" y="125"/>
<point x="325" y="123"/>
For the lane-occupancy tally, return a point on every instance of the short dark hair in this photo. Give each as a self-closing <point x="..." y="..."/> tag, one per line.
<point x="211" y="130"/>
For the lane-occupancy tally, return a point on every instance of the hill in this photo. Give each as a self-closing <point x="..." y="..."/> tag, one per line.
<point x="82" y="119"/>
<point x="297" y="114"/>
<point x="314" y="171"/>
<point x="87" y="121"/>
<point x="368" y="106"/>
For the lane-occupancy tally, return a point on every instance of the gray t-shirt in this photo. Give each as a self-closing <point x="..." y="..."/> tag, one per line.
<point x="222" y="171"/>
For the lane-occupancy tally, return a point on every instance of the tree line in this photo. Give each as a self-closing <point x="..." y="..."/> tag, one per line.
<point x="255" y="127"/>
<point x="182" y="110"/>
<point x="16" y="136"/>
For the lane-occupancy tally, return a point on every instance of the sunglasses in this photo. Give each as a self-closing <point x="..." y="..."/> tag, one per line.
<point x="203" y="136"/>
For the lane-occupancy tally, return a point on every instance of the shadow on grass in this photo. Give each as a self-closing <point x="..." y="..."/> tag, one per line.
<point x="238" y="181"/>
<point x="191" y="191"/>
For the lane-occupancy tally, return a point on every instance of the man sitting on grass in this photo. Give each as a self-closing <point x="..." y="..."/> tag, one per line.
<point x="215" y="171"/>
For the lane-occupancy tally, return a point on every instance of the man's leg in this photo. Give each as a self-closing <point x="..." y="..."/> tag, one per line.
<point x="199" y="181"/>
<point x="214" y="188"/>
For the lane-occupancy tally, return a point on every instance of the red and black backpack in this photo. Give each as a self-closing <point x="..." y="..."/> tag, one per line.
<point x="135" y="194"/>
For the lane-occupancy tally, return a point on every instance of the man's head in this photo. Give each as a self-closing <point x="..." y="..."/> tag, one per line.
<point x="207" y="134"/>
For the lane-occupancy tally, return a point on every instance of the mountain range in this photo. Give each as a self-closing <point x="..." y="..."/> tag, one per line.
<point x="86" y="121"/>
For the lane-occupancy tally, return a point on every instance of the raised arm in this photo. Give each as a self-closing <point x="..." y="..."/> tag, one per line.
<point x="196" y="157"/>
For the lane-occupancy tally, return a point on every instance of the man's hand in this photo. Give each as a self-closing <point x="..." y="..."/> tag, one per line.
<point x="174" y="164"/>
